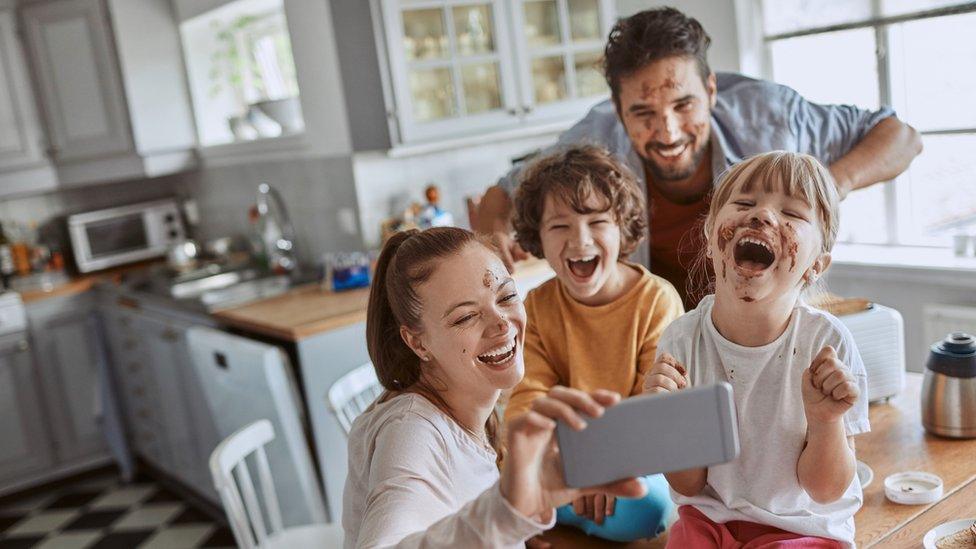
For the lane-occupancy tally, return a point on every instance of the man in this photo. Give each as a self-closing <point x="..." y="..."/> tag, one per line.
<point x="679" y="126"/>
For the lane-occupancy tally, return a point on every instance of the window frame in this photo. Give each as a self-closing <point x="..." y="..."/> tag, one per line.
<point x="756" y="57"/>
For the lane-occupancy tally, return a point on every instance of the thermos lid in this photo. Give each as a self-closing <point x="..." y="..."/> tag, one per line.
<point x="954" y="356"/>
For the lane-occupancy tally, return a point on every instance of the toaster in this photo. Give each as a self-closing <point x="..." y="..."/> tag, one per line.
<point x="879" y="334"/>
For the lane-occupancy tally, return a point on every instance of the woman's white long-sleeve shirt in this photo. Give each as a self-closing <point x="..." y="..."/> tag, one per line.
<point x="417" y="479"/>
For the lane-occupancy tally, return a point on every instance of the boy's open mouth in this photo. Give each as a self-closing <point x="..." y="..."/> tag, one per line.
<point x="583" y="267"/>
<point x="753" y="254"/>
<point x="499" y="355"/>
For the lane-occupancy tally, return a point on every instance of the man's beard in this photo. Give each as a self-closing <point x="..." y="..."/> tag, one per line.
<point x="677" y="173"/>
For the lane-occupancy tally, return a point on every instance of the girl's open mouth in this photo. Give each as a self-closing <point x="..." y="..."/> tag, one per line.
<point x="499" y="356"/>
<point x="583" y="267"/>
<point x="753" y="254"/>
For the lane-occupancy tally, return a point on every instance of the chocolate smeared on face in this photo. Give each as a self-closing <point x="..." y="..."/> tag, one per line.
<point x="489" y="279"/>
<point x="725" y="234"/>
<point x="790" y="244"/>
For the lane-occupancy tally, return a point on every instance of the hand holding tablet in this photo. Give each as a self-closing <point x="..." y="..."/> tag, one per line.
<point x="653" y="433"/>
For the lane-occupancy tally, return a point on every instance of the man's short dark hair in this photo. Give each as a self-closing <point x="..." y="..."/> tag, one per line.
<point x="651" y="35"/>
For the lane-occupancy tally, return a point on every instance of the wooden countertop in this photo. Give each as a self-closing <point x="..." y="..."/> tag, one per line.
<point x="898" y="442"/>
<point x="84" y="282"/>
<point x="300" y="313"/>
<point x="309" y="310"/>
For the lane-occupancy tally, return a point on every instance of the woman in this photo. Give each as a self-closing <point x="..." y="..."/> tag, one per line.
<point x="445" y="328"/>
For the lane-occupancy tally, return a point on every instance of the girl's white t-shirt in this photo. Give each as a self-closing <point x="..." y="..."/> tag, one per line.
<point x="761" y="485"/>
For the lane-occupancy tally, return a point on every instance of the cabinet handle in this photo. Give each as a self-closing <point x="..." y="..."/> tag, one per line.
<point x="128" y="302"/>
<point x="526" y="109"/>
<point x="15" y="348"/>
<point x="513" y="112"/>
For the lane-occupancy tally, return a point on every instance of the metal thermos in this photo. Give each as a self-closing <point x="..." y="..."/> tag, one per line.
<point x="949" y="387"/>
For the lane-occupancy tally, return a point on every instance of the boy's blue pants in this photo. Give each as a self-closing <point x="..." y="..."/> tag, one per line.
<point x="632" y="519"/>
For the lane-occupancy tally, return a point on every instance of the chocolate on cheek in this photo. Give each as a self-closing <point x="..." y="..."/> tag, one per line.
<point x="790" y="243"/>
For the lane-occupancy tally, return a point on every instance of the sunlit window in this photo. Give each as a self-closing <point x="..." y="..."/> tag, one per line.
<point x="242" y="75"/>
<point x="916" y="56"/>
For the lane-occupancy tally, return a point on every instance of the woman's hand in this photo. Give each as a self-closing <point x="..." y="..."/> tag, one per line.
<point x="666" y="376"/>
<point x="829" y="388"/>
<point x="532" y="479"/>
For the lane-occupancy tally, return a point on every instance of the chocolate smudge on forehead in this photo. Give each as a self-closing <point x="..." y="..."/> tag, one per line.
<point x="489" y="279"/>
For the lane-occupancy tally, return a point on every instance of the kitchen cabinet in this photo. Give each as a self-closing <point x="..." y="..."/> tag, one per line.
<point x="107" y="117"/>
<point x="23" y="165"/>
<point x="456" y="69"/>
<point x="26" y="448"/>
<point x="165" y="410"/>
<point x="68" y="360"/>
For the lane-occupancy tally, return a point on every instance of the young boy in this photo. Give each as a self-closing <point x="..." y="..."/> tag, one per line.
<point x="596" y="325"/>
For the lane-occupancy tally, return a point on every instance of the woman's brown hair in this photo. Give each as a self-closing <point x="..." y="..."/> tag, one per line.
<point x="408" y="260"/>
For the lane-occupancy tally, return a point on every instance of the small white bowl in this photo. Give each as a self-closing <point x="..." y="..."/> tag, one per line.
<point x="913" y="488"/>
<point x="945" y="529"/>
<point x="864" y="474"/>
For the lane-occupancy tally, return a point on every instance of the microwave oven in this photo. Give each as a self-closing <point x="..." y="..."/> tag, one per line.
<point x="116" y="236"/>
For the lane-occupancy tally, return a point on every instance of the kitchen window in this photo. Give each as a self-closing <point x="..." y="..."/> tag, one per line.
<point x="466" y="67"/>
<point x="241" y="73"/>
<point x="916" y="56"/>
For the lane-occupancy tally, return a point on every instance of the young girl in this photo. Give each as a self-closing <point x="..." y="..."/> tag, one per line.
<point x="797" y="378"/>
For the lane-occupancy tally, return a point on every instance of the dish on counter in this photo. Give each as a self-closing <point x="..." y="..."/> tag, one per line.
<point x="956" y="534"/>
<point x="864" y="474"/>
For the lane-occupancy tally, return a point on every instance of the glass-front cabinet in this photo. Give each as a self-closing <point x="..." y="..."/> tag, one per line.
<point x="466" y="67"/>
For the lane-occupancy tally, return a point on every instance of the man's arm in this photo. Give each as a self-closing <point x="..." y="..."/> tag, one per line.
<point x="884" y="153"/>
<point x="494" y="219"/>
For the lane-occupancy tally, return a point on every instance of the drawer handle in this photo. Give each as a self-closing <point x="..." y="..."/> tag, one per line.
<point x="128" y="302"/>
<point x="15" y="348"/>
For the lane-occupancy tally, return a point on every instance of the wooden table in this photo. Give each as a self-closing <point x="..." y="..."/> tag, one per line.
<point x="897" y="442"/>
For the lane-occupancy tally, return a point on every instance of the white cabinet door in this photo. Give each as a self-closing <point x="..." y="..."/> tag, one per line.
<point x="21" y="141"/>
<point x="25" y="447"/>
<point x="559" y="45"/>
<point x="64" y="333"/>
<point x="71" y="49"/>
<point x="452" y="67"/>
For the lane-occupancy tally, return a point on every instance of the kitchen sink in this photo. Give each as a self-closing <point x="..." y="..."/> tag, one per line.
<point x="245" y="291"/>
<point x="194" y="287"/>
<point x="215" y="287"/>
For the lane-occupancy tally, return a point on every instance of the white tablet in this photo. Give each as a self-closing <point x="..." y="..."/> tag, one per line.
<point x="650" y="434"/>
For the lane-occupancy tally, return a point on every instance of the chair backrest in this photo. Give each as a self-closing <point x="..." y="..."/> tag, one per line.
<point x="352" y="393"/>
<point x="245" y="514"/>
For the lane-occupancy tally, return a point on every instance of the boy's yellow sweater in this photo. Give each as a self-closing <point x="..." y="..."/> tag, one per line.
<point x="608" y="346"/>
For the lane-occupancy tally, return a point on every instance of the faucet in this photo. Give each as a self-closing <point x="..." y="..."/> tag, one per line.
<point x="278" y="233"/>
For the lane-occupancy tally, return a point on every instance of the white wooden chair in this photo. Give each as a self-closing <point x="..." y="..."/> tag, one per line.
<point x="353" y="393"/>
<point x="246" y="516"/>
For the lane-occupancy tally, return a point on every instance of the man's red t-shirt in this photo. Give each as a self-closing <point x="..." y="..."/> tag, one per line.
<point x="677" y="244"/>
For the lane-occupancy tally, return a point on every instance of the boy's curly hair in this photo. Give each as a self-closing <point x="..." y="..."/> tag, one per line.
<point x="573" y="175"/>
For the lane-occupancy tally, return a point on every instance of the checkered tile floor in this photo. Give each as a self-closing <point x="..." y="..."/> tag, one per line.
<point x="104" y="513"/>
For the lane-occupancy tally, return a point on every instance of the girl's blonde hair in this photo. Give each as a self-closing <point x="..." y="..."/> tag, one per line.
<point x="797" y="174"/>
